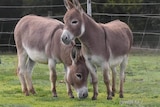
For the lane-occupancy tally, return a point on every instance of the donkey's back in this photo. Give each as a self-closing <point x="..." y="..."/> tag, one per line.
<point x="34" y="34"/>
<point x="119" y="37"/>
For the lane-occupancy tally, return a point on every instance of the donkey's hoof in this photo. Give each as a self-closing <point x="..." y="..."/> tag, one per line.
<point x="94" y="98"/>
<point x="26" y="93"/>
<point x="113" y="94"/>
<point x="121" y="96"/>
<point x="70" y="94"/>
<point x="32" y="91"/>
<point x="55" y="95"/>
<point x="109" y="98"/>
<point x="71" y="97"/>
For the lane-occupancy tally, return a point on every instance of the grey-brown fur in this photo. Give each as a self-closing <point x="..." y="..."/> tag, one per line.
<point x="106" y="45"/>
<point x="38" y="40"/>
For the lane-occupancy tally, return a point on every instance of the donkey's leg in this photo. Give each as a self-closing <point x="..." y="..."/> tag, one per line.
<point x="122" y="75"/>
<point x="106" y="76"/>
<point x="90" y="77"/>
<point x="53" y="76"/>
<point x="22" y="58"/>
<point x="94" y="79"/>
<point x="69" y="89"/>
<point x="113" y="80"/>
<point x="30" y="64"/>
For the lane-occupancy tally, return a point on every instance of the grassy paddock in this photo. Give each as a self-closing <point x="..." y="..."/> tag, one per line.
<point x="141" y="89"/>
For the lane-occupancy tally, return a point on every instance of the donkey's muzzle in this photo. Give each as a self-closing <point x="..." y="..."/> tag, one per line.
<point x="82" y="93"/>
<point x="66" y="38"/>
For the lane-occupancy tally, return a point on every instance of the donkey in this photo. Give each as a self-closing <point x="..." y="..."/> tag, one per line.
<point x="106" y="45"/>
<point x="38" y="39"/>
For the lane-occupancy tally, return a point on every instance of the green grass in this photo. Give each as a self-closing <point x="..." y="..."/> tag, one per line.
<point x="141" y="89"/>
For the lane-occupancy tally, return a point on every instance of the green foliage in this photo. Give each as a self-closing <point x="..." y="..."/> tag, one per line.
<point x="141" y="88"/>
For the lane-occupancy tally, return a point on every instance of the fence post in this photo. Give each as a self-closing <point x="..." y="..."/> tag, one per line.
<point x="49" y="13"/>
<point x="89" y="8"/>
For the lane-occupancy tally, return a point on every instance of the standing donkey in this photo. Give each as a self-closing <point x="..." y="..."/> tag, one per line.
<point x="38" y="39"/>
<point x="106" y="45"/>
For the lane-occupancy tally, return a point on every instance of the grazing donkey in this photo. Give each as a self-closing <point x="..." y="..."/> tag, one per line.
<point x="106" y="45"/>
<point x="38" y="39"/>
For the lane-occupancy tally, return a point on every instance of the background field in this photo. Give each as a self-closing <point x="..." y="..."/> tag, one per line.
<point x="141" y="89"/>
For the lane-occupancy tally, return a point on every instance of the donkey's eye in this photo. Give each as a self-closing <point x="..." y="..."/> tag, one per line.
<point x="79" y="76"/>
<point x="74" y="22"/>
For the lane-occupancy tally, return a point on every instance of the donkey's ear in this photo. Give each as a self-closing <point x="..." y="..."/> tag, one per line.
<point x="77" y="5"/>
<point x="68" y="4"/>
<point x="74" y="54"/>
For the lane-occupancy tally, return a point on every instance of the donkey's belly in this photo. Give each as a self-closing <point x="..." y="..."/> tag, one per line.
<point x="37" y="56"/>
<point x="100" y="61"/>
<point x="115" y="61"/>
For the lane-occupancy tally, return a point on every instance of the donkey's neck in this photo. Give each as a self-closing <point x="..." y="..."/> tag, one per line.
<point x="90" y="24"/>
<point x="93" y="36"/>
<point x="92" y="28"/>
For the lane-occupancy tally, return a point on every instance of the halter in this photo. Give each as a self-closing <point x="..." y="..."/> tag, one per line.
<point x="77" y="44"/>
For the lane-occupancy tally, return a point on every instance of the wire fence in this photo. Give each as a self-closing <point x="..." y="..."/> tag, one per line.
<point x="144" y="24"/>
<point x="143" y="38"/>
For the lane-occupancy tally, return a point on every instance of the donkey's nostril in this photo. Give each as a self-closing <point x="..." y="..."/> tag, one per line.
<point x="82" y="92"/>
<point x="85" y="95"/>
<point x="66" y="39"/>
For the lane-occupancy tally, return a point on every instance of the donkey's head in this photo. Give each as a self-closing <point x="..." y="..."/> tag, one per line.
<point x="73" y="19"/>
<point x="77" y="73"/>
